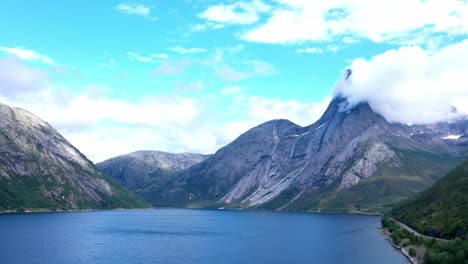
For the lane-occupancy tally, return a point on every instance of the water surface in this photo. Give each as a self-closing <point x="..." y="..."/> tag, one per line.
<point x="193" y="236"/>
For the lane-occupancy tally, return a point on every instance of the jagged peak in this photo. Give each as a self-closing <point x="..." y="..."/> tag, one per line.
<point x="347" y="74"/>
<point x="278" y="122"/>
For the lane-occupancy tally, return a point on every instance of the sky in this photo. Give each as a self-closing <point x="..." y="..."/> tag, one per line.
<point x="190" y="76"/>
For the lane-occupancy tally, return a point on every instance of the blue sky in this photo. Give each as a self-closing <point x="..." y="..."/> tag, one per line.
<point x="119" y="76"/>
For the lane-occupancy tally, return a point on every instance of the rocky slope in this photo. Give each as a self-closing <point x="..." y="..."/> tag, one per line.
<point x="41" y="170"/>
<point x="140" y="170"/>
<point x="441" y="210"/>
<point x="351" y="159"/>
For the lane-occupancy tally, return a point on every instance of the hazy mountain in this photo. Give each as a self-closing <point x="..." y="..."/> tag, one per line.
<point x="441" y="210"/>
<point x="350" y="159"/>
<point x="141" y="170"/>
<point x="39" y="169"/>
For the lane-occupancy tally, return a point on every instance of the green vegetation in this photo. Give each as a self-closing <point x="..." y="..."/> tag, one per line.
<point x="442" y="210"/>
<point x="391" y="184"/>
<point x="22" y="193"/>
<point x="45" y="192"/>
<point x="429" y="251"/>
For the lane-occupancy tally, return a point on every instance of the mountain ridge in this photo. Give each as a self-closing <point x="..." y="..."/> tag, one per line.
<point x="41" y="170"/>
<point x="278" y="164"/>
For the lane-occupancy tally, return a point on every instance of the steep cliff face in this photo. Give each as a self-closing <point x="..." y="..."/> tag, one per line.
<point x="142" y="169"/>
<point x="350" y="159"/>
<point x="39" y="169"/>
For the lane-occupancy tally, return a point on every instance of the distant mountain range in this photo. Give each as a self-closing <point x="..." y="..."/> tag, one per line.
<point x="40" y="170"/>
<point x="351" y="159"/>
<point x="140" y="171"/>
<point x="441" y="210"/>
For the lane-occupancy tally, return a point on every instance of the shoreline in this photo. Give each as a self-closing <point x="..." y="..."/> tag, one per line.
<point x="30" y="211"/>
<point x="40" y="211"/>
<point x="402" y="250"/>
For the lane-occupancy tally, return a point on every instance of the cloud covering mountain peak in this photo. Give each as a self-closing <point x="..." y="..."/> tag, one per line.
<point x="410" y="84"/>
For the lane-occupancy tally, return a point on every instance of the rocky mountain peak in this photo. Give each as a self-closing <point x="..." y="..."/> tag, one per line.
<point x="40" y="169"/>
<point x="141" y="169"/>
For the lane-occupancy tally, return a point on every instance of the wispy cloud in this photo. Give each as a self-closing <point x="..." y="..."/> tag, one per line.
<point x="183" y="51"/>
<point x="243" y="13"/>
<point x="196" y="86"/>
<point x="317" y="50"/>
<point x="243" y="70"/>
<point x="130" y="9"/>
<point x="27" y="54"/>
<point x="311" y="50"/>
<point x="150" y="58"/>
<point x="232" y="90"/>
<point x="201" y="27"/>
<point x="135" y="9"/>
<point x="174" y="68"/>
<point x="110" y="64"/>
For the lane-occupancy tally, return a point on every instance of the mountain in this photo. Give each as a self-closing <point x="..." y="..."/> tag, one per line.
<point x="141" y="170"/>
<point x="351" y="159"/>
<point x="41" y="170"/>
<point x="441" y="210"/>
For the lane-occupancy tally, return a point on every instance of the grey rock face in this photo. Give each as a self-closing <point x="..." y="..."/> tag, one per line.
<point x="141" y="169"/>
<point x="280" y="162"/>
<point x="31" y="150"/>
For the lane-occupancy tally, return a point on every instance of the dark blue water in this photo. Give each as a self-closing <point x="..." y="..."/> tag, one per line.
<point x="193" y="236"/>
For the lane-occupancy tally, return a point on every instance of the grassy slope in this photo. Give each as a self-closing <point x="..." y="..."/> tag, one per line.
<point x="21" y="193"/>
<point x="442" y="208"/>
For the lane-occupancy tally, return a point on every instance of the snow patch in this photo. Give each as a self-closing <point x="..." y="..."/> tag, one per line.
<point x="453" y="137"/>
<point x="300" y="135"/>
<point x="320" y="127"/>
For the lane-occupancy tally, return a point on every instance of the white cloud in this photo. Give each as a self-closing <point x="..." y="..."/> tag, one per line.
<point x="27" y="54"/>
<point x="134" y="9"/>
<point x="16" y="78"/>
<point x="150" y="58"/>
<point x="102" y="126"/>
<point x="410" y="84"/>
<point x="183" y="51"/>
<point x="394" y="21"/>
<point x="243" y="13"/>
